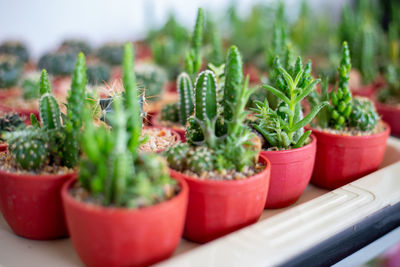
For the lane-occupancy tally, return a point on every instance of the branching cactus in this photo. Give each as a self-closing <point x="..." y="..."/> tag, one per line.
<point x="344" y="112"/>
<point x="55" y="142"/>
<point x="283" y="127"/>
<point x="112" y="170"/>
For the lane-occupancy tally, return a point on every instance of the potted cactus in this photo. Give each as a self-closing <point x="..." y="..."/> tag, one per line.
<point x="9" y="123"/>
<point x="97" y="73"/>
<point x="10" y="72"/>
<point x="290" y="149"/>
<point x="152" y="80"/>
<point x="75" y="46"/>
<point x="174" y="115"/>
<point x="40" y="159"/>
<point x="16" y="49"/>
<point x="351" y="136"/>
<point x="124" y="210"/>
<point x="228" y="181"/>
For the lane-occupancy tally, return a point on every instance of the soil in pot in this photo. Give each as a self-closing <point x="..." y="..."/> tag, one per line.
<point x="177" y="127"/>
<point x="345" y="156"/>
<point x="291" y="172"/>
<point x="31" y="202"/>
<point x="158" y="139"/>
<point x="217" y="207"/>
<point x="111" y="236"/>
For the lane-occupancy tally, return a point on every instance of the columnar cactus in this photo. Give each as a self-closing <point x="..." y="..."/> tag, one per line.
<point x="49" y="110"/>
<point x="186" y="99"/>
<point x="193" y="59"/>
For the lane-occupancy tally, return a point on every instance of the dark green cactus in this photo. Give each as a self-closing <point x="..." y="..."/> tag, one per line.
<point x="10" y="122"/>
<point x="340" y="108"/>
<point x="186" y="99"/>
<point x="151" y="79"/>
<point x="98" y="73"/>
<point x="112" y="169"/>
<point x="49" y="110"/>
<point x="193" y="58"/>
<point x="363" y="115"/>
<point x="10" y="71"/>
<point x="170" y="112"/>
<point x="59" y="63"/>
<point x="233" y="78"/>
<point x="31" y="86"/>
<point x="75" y="46"/>
<point x="200" y="160"/>
<point x="111" y="53"/>
<point x="16" y="49"/>
<point x="177" y="156"/>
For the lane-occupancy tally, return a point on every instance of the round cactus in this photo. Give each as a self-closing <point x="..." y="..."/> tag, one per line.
<point x="200" y="160"/>
<point x="16" y="49"/>
<point x="363" y="115"/>
<point x="176" y="156"/>
<point x="10" y="71"/>
<point x="60" y="63"/>
<point x="111" y="53"/>
<point x="98" y="73"/>
<point x="170" y="112"/>
<point x="75" y="46"/>
<point x="151" y="79"/>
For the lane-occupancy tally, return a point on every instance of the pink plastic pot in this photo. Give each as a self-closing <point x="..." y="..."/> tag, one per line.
<point x="291" y="172"/>
<point x="343" y="159"/>
<point x="391" y="115"/>
<point x="217" y="208"/>
<point x="173" y="132"/>
<point x="155" y="123"/>
<point x="366" y="91"/>
<point x="31" y="204"/>
<point x="125" y="237"/>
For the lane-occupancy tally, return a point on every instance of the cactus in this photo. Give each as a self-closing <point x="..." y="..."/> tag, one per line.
<point x="59" y="63"/>
<point x="31" y="85"/>
<point x="283" y="127"/>
<point x="75" y="46"/>
<point x="151" y="79"/>
<point x="212" y="142"/>
<point x="10" y="122"/>
<point x="193" y="58"/>
<point x="10" y="71"/>
<point x="344" y="111"/>
<point x="233" y="78"/>
<point x="170" y="112"/>
<point x="98" y="73"/>
<point x="112" y="170"/>
<point x="215" y="56"/>
<point x="186" y="99"/>
<point x="16" y="49"/>
<point x="53" y="143"/>
<point x="111" y="53"/>
<point x="363" y="115"/>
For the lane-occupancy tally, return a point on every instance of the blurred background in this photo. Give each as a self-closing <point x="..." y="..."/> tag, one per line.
<point x="44" y="24"/>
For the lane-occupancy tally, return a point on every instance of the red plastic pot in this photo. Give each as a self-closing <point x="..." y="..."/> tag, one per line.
<point x="155" y="122"/>
<point x="173" y="132"/>
<point x="343" y="159"/>
<point x="217" y="208"/>
<point x="3" y="147"/>
<point x="125" y="237"/>
<point x="31" y="204"/>
<point x="391" y="115"/>
<point x="171" y="86"/>
<point x="291" y="172"/>
<point x="366" y="91"/>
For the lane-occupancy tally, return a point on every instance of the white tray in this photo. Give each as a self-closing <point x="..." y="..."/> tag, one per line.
<point x="278" y="236"/>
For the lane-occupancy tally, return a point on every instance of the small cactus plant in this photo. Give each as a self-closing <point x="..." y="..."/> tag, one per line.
<point x="111" y="53"/>
<point x="193" y="59"/>
<point x="58" y="63"/>
<point x="10" y="122"/>
<point x="344" y="111"/>
<point x="151" y="79"/>
<point x="207" y="149"/>
<point x="76" y="46"/>
<point x="98" y="73"/>
<point x="283" y="127"/>
<point x="16" y="49"/>
<point x="10" y="71"/>
<point x="31" y="85"/>
<point x="55" y="140"/>
<point x="112" y="170"/>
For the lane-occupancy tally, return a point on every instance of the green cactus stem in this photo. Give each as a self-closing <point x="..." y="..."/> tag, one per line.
<point x="186" y="99"/>
<point x="48" y="106"/>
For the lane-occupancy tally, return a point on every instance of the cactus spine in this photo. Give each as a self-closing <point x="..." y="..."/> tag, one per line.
<point x="185" y="91"/>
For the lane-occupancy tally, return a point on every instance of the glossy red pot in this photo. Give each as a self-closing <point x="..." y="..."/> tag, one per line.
<point x="217" y="208"/>
<point x="366" y="90"/>
<point x="343" y="159"/>
<point x="173" y="132"/>
<point x="180" y="131"/>
<point x="109" y="237"/>
<point x="391" y="115"/>
<point x="291" y="172"/>
<point x="31" y="204"/>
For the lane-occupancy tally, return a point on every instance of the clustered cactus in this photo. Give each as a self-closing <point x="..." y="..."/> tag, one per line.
<point x="344" y="111"/>
<point x="10" y="71"/>
<point x="283" y="127"/>
<point x="218" y="139"/>
<point x="151" y="79"/>
<point x="113" y="170"/>
<point x="56" y="140"/>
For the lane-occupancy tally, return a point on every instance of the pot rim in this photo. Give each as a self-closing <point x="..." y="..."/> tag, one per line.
<point x="294" y="150"/>
<point x="38" y="177"/>
<point x="262" y="159"/>
<point x="68" y="199"/>
<point x="371" y="136"/>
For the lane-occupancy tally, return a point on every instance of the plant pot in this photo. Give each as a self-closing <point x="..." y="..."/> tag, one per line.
<point x="366" y="90"/>
<point x="343" y="159"/>
<point x="105" y="236"/>
<point x="173" y="132"/>
<point x="291" y="172"/>
<point x="217" y="208"/>
<point x="31" y="204"/>
<point x="3" y="147"/>
<point x="390" y="115"/>
<point x="171" y="87"/>
<point x="180" y="130"/>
